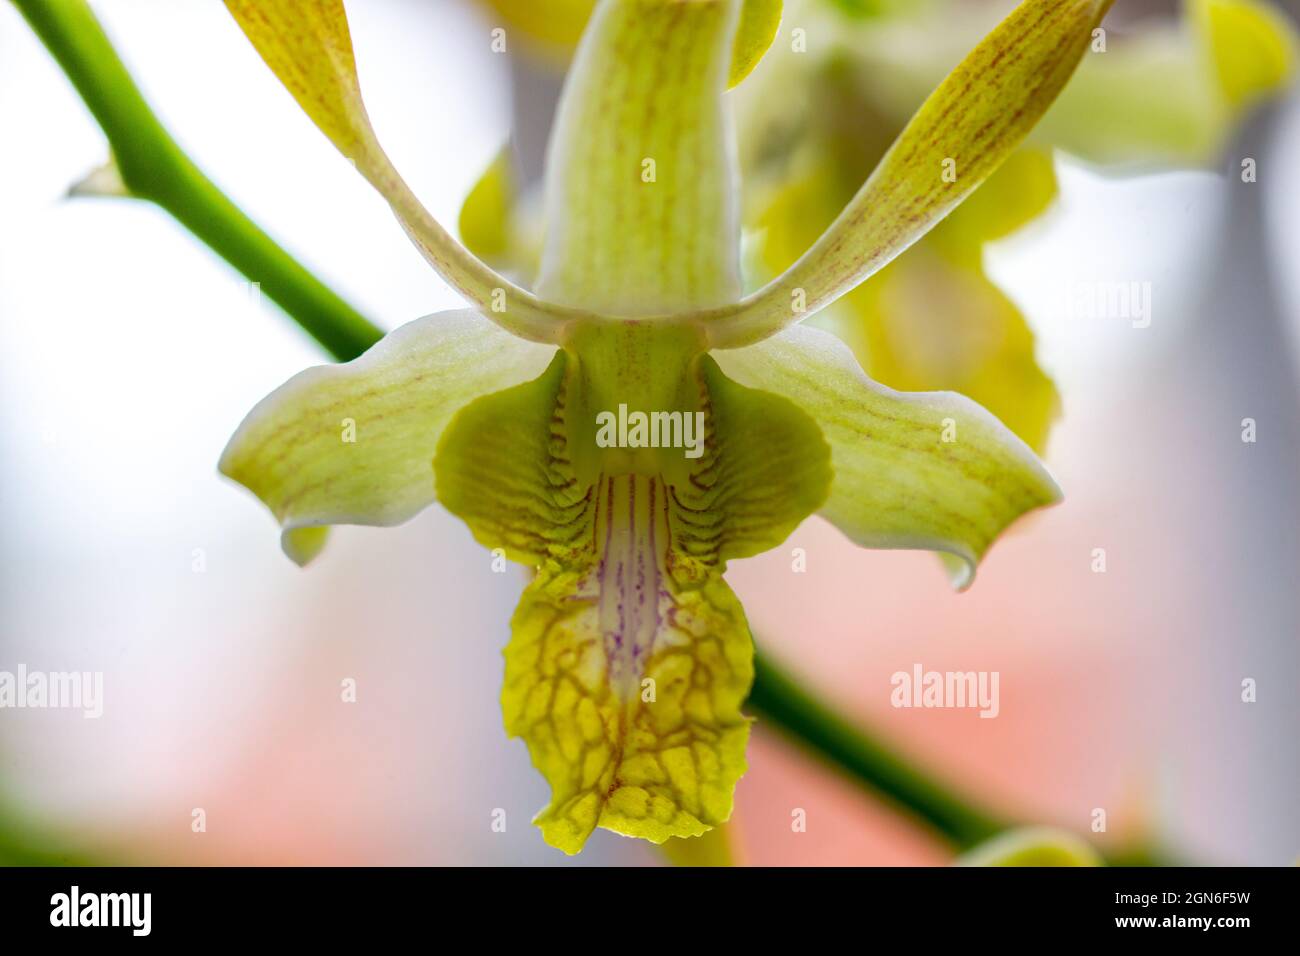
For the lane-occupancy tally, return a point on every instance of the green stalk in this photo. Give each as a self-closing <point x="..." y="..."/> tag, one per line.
<point x="153" y="167"/>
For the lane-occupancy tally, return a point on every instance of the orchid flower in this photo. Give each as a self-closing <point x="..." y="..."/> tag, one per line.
<point x="630" y="657"/>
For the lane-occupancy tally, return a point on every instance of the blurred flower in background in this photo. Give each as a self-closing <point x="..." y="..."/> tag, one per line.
<point x="125" y="366"/>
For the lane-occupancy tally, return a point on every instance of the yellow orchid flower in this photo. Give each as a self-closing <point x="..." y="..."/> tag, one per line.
<point x="633" y="422"/>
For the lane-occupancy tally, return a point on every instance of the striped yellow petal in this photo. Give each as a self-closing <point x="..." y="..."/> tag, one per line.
<point x="354" y="443"/>
<point x="925" y="470"/>
<point x="640" y="192"/>
<point x="932" y="320"/>
<point x="307" y="45"/>
<point x="958" y="137"/>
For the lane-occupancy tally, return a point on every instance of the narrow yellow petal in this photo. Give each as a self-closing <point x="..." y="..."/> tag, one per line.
<point x="1252" y="46"/>
<point x="307" y="45"/>
<point x="485" y="217"/>
<point x="932" y="320"/>
<point x="640" y="200"/>
<point x="958" y="137"/>
<point x="759" y="22"/>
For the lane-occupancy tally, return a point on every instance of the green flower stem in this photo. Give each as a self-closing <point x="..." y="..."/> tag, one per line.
<point x="153" y="167"/>
<point x="778" y="697"/>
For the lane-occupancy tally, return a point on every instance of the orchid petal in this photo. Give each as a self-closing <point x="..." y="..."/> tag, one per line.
<point x="354" y="443"/>
<point x="486" y="215"/>
<point x="929" y="470"/>
<point x="1252" y="46"/>
<point x="307" y="45"/>
<point x="929" y="322"/>
<point x="501" y="225"/>
<point x="931" y="319"/>
<point x="759" y="22"/>
<point x="1019" y="192"/>
<point x="640" y="199"/>
<point x="958" y="137"/>
<point x="1163" y="94"/>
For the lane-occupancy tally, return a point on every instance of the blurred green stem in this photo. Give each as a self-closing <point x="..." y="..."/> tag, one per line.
<point x="153" y="167"/>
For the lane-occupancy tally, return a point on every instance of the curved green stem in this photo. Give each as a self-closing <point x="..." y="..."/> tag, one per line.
<point x="153" y="167"/>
